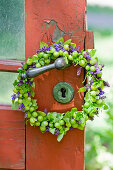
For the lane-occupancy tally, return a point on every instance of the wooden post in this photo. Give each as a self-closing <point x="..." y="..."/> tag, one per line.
<point x="48" y="20"/>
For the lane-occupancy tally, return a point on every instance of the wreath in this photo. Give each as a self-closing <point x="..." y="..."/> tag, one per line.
<point x="53" y="122"/>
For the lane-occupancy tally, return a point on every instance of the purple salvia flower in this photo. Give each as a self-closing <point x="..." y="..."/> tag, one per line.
<point x="13" y="96"/>
<point x="22" y="107"/>
<point x="91" y="118"/>
<point x="103" y="97"/>
<point x="47" y="128"/>
<point x="71" y="127"/>
<point x="56" y="131"/>
<point x="45" y="110"/>
<point x="18" y="93"/>
<point x="79" y="122"/>
<point x="91" y="72"/>
<point x="106" y="84"/>
<point x="79" y="71"/>
<point x="89" y="64"/>
<point x="25" y="116"/>
<point x="20" y="83"/>
<point x="29" y="93"/>
<point x="88" y="86"/>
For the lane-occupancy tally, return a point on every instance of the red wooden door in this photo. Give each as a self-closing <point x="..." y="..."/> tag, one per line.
<point x="46" y="20"/>
<point x="12" y="129"/>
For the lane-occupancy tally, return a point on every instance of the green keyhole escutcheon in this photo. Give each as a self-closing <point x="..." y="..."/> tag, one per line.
<point x="63" y="92"/>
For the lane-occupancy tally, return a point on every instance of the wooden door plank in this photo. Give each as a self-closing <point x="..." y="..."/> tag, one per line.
<point x="12" y="139"/>
<point x="10" y="65"/>
<point x="48" y="20"/>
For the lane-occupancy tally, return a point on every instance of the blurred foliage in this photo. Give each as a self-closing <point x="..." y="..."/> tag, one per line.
<point x="99" y="133"/>
<point x="98" y="9"/>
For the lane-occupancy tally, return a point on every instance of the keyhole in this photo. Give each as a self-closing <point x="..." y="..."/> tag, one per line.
<point x="63" y="90"/>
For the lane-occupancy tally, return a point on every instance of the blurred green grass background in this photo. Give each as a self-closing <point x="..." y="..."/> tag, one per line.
<point x="99" y="133"/>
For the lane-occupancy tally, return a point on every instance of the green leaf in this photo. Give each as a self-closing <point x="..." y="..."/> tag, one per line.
<point x="15" y="106"/>
<point x="52" y="130"/>
<point x="60" y="39"/>
<point x="32" y="93"/>
<point x="66" y="120"/>
<point x="105" y="107"/>
<point x="67" y="42"/>
<point x="42" y="44"/>
<point x="33" y="85"/>
<point x="82" y="89"/>
<point x="13" y="100"/>
<point x="60" y="136"/>
<point x="92" y="52"/>
<point x="66" y="59"/>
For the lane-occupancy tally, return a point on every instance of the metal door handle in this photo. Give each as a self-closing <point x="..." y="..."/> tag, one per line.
<point x="59" y="64"/>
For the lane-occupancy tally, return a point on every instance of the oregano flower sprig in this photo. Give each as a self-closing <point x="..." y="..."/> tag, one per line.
<point x="53" y="122"/>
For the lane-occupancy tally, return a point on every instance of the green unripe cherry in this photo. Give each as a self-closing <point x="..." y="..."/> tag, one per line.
<point x="50" y="125"/>
<point x="81" y="57"/>
<point x="47" y="61"/>
<point x="41" y="62"/>
<point x="97" y="92"/>
<point x="66" y="46"/>
<point x="37" y="123"/>
<point x="93" y="87"/>
<point x="75" y="125"/>
<point x="44" y="123"/>
<point x="26" y="95"/>
<point x="75" y="54"/>
<point x="45" y="56"/>
<point x="82" y="63"/>
<point x="93" y="99"/>
<point x="92" y="68"/>
<point x="99" y="74"/>
<point x="56" y="54"/>
<point x="60" y="52"/>
<point x="93" y="61"/>
<point x="31" y="109"/>
<point x="73" y="121"/>
<point x="70" y="57"/>
<point x="40" y="118"/>
<point x="61" y="122"/>
<point x="29" y="61"/>
<point x="74" y="115"/>
<point x="32" y="120"/>
<point x="93" y="93"/>
<point x="28" y="115"/>
<point x="43" y="129"/>
<point x="20" y="101"/>
<point x="87" y="67"/>
<point x="26" y="108"/>
<point x="35" y="114"/>
<point x="21" y="92"/>
<point x="52" y="50"/>
<point x="15" y="90"/>
<point x="68" y="125"/>
<point x="65" y="54"/>
<point x="38" y="65"/>
<point x="91" y="114"/>
<point x="99" y="101"/>
<point x="57" y="125"/>
<point x="87" y="104"/>
<point x="41" y="54"/>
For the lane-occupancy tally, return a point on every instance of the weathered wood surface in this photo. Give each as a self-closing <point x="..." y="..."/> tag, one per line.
<point x="12" y="139"/>
<point x="48" y="20"/>
<point x="10" y="65"/>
